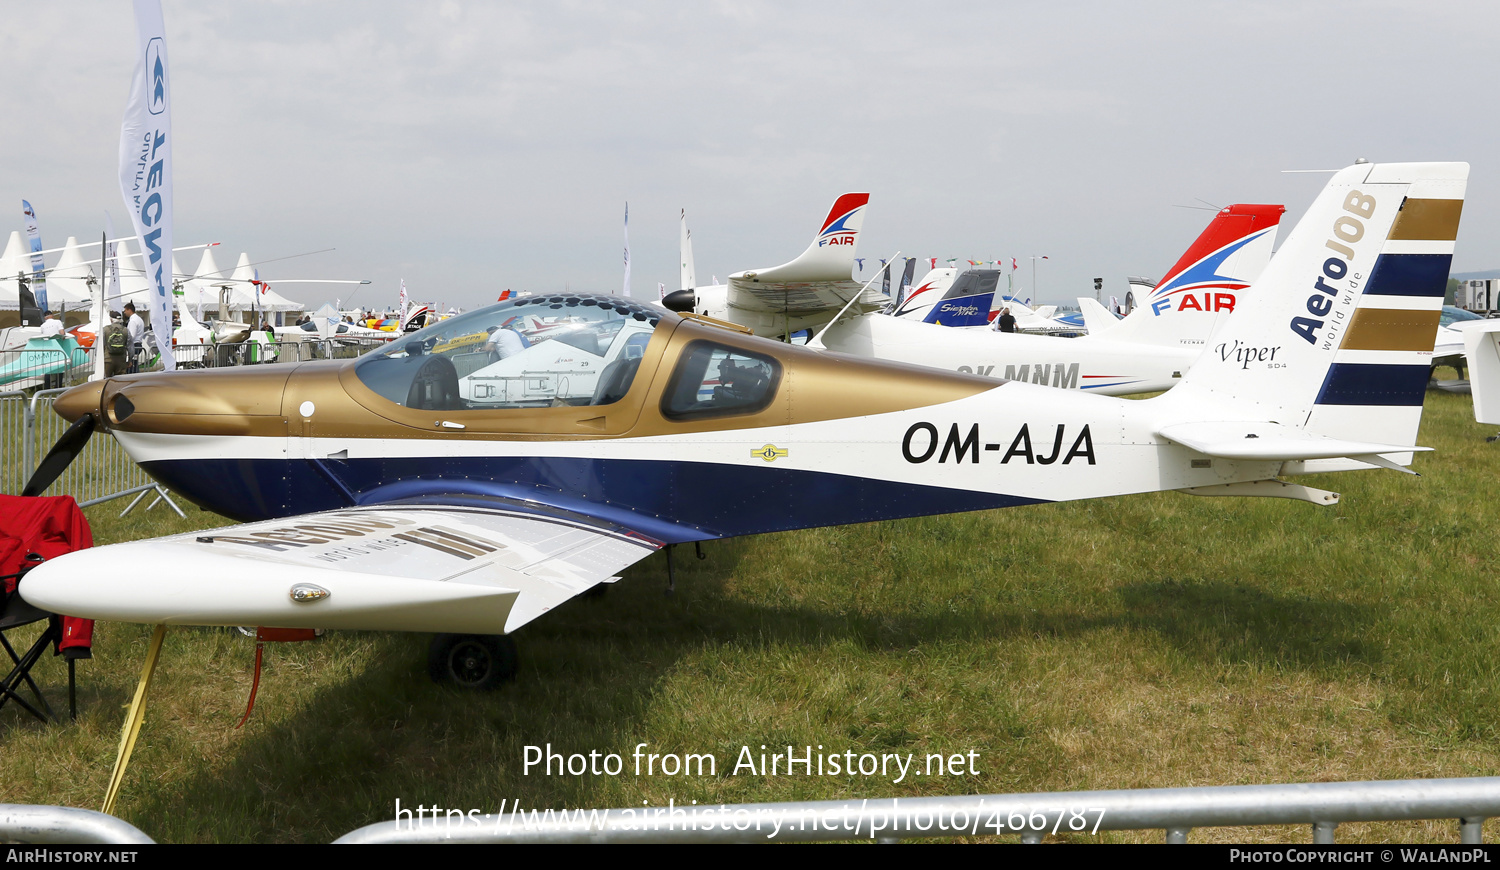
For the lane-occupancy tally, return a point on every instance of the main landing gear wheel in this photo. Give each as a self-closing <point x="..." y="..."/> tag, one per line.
<point x="472" y="661"/>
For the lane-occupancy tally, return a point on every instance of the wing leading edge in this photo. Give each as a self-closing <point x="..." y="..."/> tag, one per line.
<point x="460" y="569"/>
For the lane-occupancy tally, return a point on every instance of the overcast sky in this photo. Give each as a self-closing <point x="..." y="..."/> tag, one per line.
<point x="469" y="147"/>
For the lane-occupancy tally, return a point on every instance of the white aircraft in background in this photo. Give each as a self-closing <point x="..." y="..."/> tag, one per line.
<point x="794" y="296"/>
<point x="950" y="297"/>
<point x="1147" y="351"/>
<point x="328" y="323"/>
<point x="382" y="498"/>
<point x="1481" y="350"/>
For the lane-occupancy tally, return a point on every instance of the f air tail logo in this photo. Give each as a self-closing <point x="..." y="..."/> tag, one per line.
<point x="836" y="233"/>
<point x="1190" y="289"/>
<point x="769" y="453"/>
<point x="156" y="71"/>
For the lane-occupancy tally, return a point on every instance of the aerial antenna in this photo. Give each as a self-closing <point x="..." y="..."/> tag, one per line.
<point x="272" y="260"/>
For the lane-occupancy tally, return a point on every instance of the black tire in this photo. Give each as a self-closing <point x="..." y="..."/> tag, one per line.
<point x="481" y="662"/>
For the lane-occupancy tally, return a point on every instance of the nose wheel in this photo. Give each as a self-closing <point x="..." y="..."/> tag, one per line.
<point x="472" y="661"/>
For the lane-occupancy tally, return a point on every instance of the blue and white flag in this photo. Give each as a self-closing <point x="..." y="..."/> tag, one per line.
<point x="146" y="168"/>
<point x="627" y="250"/>
<point x="38" y="265"/>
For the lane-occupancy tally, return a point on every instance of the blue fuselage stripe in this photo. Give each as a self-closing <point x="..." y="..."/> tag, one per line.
<point x="673" y="501"/>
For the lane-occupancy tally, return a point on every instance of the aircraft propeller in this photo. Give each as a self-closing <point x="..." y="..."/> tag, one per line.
<point x="60" y="456"/>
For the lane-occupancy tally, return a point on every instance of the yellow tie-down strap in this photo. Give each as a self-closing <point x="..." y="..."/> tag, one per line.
<point x="133" y="718"/>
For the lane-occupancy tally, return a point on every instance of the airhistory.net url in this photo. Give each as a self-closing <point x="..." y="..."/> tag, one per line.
<point x="856" y="820"/>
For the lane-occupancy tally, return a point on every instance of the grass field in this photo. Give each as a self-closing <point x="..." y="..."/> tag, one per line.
<point x="1159" y="640"/>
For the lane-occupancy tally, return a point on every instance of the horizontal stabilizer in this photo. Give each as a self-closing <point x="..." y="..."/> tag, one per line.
<point x="1096" y="318"/>
<point x="817" y="284"/>
<point x="1482" y="350"/>
<point x="1273" y="442"/>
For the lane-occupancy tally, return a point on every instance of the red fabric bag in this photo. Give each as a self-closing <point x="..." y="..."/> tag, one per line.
<point x="48" y="526"/>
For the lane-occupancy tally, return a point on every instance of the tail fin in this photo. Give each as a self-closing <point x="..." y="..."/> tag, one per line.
<point x="1204" y="286"/>
<point x="926" y="294"/>
<point x="685" y="248"/>
<point x="967" y="301"/>
<point x="830" y="257"/>
<point x="1096" y="318"/>
<point x="1336" y="337"/>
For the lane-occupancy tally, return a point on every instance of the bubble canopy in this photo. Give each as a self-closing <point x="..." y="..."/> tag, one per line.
<point x="534" y="351"/>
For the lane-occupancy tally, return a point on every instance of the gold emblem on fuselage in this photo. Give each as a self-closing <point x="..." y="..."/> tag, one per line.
<point x="769" y="453"/>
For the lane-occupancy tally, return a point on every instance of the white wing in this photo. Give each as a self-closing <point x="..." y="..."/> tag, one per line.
<point x="469" y="570"/>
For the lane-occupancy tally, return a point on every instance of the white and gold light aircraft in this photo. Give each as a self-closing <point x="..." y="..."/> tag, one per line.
<point x="443" y="484"/>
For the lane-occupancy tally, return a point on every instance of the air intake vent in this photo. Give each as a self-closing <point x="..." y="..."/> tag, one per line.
<point x="121" y="408"/>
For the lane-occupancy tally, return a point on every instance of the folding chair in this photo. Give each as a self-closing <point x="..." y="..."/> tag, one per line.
<point x="33" y="530"/>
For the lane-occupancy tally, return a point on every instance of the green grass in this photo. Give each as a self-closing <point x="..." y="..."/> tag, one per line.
<point x="1159" y="640"/>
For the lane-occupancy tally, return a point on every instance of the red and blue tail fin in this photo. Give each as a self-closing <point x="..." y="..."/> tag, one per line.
<point x="1184" y="308"/>
<point x="1226" y="258"/>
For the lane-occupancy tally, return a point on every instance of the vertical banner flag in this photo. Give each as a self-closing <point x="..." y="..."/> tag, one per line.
<point x="685" y="248"/>
<point x="933" y="261"/>
<point x="112" y="268"/>
<point x="909" y="274"/>
<point x="885" y="279"/>
<point x="38" y="265"/>
<point x="401" y="316"/>
<point x="627" y="250"/>
<point x="98" y="314"/>
<point x="146" y="168"/>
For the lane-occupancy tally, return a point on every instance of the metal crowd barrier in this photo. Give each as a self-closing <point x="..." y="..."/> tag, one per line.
<point x="28" y="428"/>
<point x="1322" y="805"/>
<point x="23" y="369"/>
<point x="24" y="823"/>
<point x="102" y="472"/>
<point x="193" y="356"/>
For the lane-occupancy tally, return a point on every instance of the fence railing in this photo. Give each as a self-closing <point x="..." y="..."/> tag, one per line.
<point x="25" y="823"/>
<point x="25" y="369"/>
<point x="193" y="356"/>
<point x="102" y="471"/>
<point x="1321" y="805"/>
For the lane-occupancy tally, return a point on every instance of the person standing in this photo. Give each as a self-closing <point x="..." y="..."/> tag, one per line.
<point x="135" y="327"/>
<point x="51" y="327"/>
<point x="114" y="341"/>
<point x="1007" y="321"/>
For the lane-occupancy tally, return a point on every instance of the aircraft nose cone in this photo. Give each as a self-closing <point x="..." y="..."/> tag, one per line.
<point x="79" y="401"/>
<point x="680" y="300"/>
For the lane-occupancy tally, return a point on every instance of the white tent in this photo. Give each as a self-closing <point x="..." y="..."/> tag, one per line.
<point x="133" y="284"/>
<point x="67" y="283"/>
<point x="199" y="291"/>
<point x="247" y="296"/>
<point x="16" y="259"/>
